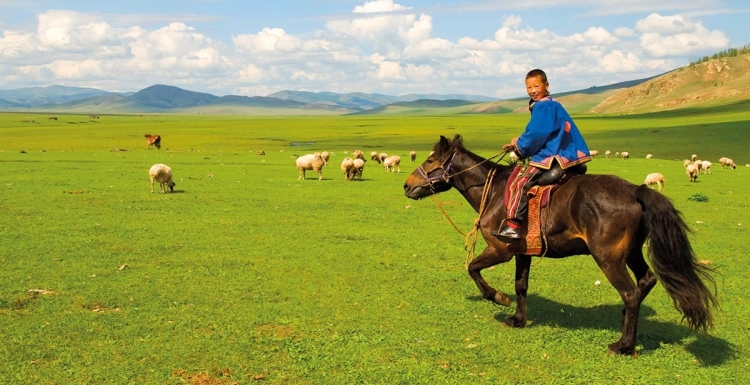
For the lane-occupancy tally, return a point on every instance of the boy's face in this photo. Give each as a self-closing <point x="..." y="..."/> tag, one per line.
<point x="536" y="88"/>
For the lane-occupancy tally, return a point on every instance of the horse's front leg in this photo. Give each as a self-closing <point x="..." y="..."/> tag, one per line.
<point x="523" y="265"/>
<point x="489" y="257"/>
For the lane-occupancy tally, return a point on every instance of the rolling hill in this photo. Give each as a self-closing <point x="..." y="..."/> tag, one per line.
<point x="711" y="83"/>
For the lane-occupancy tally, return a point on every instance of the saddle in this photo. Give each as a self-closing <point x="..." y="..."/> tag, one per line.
<point x="532" y="241"/>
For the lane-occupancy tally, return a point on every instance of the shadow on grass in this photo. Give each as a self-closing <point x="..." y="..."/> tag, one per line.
<point x="709" y="350"/>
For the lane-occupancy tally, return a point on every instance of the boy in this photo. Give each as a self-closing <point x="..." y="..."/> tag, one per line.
<point x="551" y="136"/>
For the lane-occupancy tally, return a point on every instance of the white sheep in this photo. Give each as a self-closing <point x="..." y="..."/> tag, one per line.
<point x="347" y="166"/>
<point x="359" y="166"/>
<point x="693" y="157"/>
<point x="655" y="179"/>
<point x="686" y="162"/>
<point x="374" y="156"/>
<point x="727" y="162"/>
<point x="313" y="162"/>
<point x="392" y="163"/>
<point x="357" y="154"/>
<point x="594" y="153"/>
<point x="692" y="171"/>
<point x="325" y="155"/>
<point x="413" y="156"/>
<point x="617" y="154"/>
<point x="698" y="163"/>
<point x="163" y="174"/>
<point x="649" y="156"/>
<point x="607" y="153"/>
<point x="706" y="167"/>
<point x="382" y="156"/>
<point x="625" y="155"/>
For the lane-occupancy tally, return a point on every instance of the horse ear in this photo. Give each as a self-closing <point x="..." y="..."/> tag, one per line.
<point x="444" y="142"/>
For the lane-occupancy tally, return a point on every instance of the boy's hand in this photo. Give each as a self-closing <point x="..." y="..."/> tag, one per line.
<point x="509" y="147"/>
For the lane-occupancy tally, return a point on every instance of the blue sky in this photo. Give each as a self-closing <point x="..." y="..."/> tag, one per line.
<point x="386" y="46"/>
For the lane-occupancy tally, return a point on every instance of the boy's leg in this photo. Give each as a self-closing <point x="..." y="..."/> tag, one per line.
<point x="518" y="204"/>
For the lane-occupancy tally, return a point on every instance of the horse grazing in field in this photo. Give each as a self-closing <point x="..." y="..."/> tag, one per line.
<point x="153" y="140"/>
<point x="601" y="215"/>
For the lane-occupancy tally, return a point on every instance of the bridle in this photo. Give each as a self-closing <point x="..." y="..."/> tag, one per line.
<point x="444" y="176"/>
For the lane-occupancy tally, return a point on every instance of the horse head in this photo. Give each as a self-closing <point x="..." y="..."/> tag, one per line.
<point x="433" y="175"/>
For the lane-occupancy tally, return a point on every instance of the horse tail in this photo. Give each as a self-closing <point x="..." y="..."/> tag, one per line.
<point x="674" y="260"/>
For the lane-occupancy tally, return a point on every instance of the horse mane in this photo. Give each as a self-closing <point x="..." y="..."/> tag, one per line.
<point x="458" y="144"/>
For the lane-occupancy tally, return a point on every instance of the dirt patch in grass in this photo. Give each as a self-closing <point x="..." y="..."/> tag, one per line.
<point x="277" y="331"/>
<point x="220" y="377"/>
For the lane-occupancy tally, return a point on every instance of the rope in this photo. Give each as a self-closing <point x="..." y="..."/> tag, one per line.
<point x="475" y="231"/>
<point x="440" y="206"/>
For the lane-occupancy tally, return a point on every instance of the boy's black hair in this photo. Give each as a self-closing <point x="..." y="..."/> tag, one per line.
<point x="537" y="72"/>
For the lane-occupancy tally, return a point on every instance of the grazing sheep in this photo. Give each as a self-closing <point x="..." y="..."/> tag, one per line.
<point x="692" y="171"/>
<point x="617" y="154"/>
<point x="374" y="156"/>
<point x="413" y="156"/>
<point x="313" y="162"/>
<point x="706" y="167"/>
<point x="392" y="163"/>
<point x="747" y="165"/>
<point x="686" y="162"/>
<point x="594" y="153"/>
<point x="727" y="162"/>
<point x="649" y="156"/>
<point x="693" y="157"/>
<point x="163" y="174"/>
<point x="359" y="166"/>
<point x="261" y="152"/>
<point x="347" y="166"/>
<point x="698" y="163"/>
<point x="607" y="153"/>
<point x="655" y="179"/>
<point x="357" y="154"/>
<point x="625" y="155"/>
<point x="382" y="156"/>
<point x="325" y="155"/>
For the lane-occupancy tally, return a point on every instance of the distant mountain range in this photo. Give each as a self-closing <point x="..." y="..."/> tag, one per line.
<point x="164" y="98"/>
<point x="715" y="81"/>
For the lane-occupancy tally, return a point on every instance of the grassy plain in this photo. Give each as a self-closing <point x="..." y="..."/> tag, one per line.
<point x="245" y="273"/>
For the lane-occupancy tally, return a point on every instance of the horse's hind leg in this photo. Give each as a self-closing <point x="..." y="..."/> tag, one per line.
<point x="644" y="277"/>
<point x="489" y="257"/>
<point x="523" y="265"/>
<point x="617" y="273"/>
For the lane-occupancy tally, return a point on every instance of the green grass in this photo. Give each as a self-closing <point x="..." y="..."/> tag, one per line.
<point x="247" y="272"/>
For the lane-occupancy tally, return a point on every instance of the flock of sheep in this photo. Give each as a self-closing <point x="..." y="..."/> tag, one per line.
<point x="351" y="166"/>
<point x="693" y="167"/>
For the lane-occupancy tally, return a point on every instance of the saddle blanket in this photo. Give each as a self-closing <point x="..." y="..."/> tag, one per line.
<point x="532" y="242"/>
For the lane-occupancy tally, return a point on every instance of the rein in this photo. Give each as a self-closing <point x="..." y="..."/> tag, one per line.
<point x="445" y="176"/>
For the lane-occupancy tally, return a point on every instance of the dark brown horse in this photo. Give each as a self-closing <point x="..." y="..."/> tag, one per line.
<point x="601" y="215"/>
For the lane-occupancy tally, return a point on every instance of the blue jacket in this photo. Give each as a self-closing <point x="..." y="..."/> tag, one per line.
<point x="551" y="134"/>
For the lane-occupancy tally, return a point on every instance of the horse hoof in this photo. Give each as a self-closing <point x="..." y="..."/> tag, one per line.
<point x="502" y="299"/>
<point x="614" y="350"/>
<point x="514" y="323"/>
